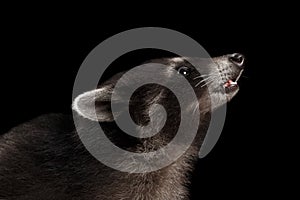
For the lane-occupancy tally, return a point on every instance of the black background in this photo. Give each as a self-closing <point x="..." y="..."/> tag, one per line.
<point x="41" y="56"/>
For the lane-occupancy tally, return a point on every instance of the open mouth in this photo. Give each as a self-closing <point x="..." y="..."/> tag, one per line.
<point x="231" y="84"/>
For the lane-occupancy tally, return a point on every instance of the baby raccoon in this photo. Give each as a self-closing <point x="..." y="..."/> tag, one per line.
<point x="45" y="158"/>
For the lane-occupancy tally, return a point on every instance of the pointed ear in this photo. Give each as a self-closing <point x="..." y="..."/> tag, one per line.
<point x="95" y="104"/>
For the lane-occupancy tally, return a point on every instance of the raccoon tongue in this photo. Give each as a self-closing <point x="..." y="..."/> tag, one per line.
<point x="229" y="83"/>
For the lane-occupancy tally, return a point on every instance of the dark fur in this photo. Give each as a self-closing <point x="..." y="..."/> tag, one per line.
<point x="45" y="159"/>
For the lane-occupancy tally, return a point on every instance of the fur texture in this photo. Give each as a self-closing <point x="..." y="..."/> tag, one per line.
<point x="45" y="159"/>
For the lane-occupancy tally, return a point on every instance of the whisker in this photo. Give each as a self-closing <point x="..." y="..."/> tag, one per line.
<point x="201" y="76"/>
<point x="197" y="84"/>
<point x="205" y="80"/>
<point x="239" y="76"/>
<point x="208" y="82"/>
<point x="206" y="75"/>
<point x="197" y="77"/>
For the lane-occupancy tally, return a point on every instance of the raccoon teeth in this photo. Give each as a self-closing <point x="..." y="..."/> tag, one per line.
<point x="230" y="83"/>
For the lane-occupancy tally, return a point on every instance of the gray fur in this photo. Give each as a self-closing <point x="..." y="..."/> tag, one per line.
<point x="45" y="159"/>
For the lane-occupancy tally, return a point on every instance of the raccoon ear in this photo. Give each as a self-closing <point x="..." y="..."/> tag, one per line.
<point x="95" y="104"/>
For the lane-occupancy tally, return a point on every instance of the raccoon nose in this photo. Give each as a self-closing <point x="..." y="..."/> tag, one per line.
<point x="237" y="59"/>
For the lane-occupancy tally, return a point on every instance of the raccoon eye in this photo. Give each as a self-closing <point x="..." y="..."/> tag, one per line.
<point x="184" y="70"/>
